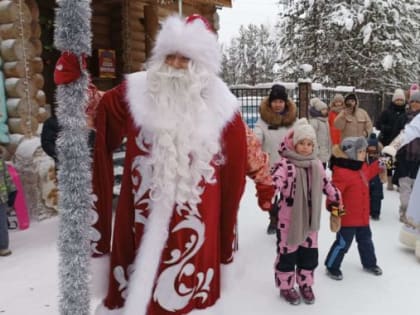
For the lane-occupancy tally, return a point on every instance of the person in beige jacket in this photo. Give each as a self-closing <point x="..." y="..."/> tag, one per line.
<point x="353" y="121"/>
<point x="318" y="118"/>
<point x="277" y="115"/>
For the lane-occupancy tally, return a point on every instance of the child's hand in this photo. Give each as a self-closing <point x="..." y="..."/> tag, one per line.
<point x="265" y="194"/>
<point x="385" y="162"/>
<point x="336" y="209"/>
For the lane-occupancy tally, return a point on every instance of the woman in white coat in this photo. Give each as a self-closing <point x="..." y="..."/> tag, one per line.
<point x="277" y="116"/>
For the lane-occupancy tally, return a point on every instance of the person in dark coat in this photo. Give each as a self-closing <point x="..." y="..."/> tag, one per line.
<point x="387" y="123"/>
<point x="376" y="190"/>
<point x="407" y="159"/>
<point x="49" y="135"/>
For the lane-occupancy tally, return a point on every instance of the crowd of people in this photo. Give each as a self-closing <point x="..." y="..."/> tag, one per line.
<point x="188" y="154"/>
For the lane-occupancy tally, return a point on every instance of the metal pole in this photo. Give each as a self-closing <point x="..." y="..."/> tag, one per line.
<point x="180" y="7"/>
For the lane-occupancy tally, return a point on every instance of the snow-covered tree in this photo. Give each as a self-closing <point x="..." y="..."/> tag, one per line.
<point x="251" y="56"/>
<point x="382" y="45"/>
<point x="303" y="33"/>
<point x="366" y="43"/>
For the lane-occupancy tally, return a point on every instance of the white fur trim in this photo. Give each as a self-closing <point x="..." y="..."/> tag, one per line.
<point x="192" y="40"/>
<point x="389" y="150"/>
<point x="103" y="310"/>
<point x="411" y="131"/>
<point x="222" y="103"/>
<point x="148" y="258"/>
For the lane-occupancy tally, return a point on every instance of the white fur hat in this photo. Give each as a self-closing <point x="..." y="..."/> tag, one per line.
<point x="398" y="95"/>
<point x="303" y="130"/>
<point x="191" y="39"/>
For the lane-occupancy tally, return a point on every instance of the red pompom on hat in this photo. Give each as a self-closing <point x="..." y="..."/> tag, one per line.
<point x="197" y="17"/>
<point x="67" y="68"/>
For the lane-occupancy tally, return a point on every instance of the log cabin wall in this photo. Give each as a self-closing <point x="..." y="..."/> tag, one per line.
<point x="21" y="50"/>
<point x="127" y="26"/>
<point x="107" y="34"/>
<point x="141" y="23"/>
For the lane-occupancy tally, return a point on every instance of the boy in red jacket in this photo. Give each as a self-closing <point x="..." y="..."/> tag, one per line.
<point x="351" y="175"/>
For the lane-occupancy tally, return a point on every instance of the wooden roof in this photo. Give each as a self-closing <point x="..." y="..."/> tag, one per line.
<point x="223" y="3"/>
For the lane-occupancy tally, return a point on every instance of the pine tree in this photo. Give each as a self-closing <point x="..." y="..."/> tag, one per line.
<point x="386" y="42"/>
<point x="364" y="43"/>
<point x="251" y="56"/>
<point x="304" y="39"/>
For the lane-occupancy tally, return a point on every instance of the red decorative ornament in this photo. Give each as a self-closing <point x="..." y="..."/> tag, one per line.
<point x="67" y="68"/>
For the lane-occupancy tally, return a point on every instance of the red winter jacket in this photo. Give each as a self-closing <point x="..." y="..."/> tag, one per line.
<point x="352" y="179"/>
<point x="335" y="133"/>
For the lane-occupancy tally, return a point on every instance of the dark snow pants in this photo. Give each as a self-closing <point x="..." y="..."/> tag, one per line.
<point x="343" y="242"/>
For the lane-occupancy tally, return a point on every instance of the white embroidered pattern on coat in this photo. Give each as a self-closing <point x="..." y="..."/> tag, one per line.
<point x="94" y="235"/>
<point x="171" y="292"/>
<point x="122" y="279"/>
<point x="140" y="174"/>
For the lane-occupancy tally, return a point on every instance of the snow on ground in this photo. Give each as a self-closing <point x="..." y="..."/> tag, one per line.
<point x="28" y="278"/>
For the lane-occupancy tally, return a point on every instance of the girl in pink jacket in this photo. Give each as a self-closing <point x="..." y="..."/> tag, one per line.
<point x="300" y="181"/>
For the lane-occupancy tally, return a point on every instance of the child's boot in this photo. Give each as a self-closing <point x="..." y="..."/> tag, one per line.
<point x="307" y="294"/>
<point x="375" y="270"/>
<point x="290" y="295"/>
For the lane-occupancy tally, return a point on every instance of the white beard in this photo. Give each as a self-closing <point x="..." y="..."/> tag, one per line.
<point x="181" y="149"/>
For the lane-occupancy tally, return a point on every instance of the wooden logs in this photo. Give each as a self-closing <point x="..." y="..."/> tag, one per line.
<point x="42" y="115"/>
<point x="21" y="50"/>
<point x="33" y="8"/>
<point x="16" y="49"/>
<point x="38" y="80"/>
<point x="36" y="29"/>
<point x="12" y="30"/>
<point x="19" y="87"/>
<point x="17" y="68"/>
<point x="37" y="46"/>
<point x="20" y="107"/>
<point x="25" y="125"/>
<point x="15" y="140"/>
<point x="40" y="98"/>
<point x="9" y="12"/>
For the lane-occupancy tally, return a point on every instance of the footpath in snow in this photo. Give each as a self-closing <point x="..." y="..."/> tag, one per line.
<point x="29" y="277"/>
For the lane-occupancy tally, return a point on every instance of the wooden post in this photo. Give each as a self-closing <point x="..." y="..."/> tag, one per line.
<point x="304" y="96"/>
<point x="151" y="26"/>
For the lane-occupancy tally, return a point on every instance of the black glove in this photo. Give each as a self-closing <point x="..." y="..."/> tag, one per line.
<point x="11" y="198"/>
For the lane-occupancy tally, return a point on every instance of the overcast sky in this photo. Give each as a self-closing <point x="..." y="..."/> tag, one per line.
<point x="245" y="12"/>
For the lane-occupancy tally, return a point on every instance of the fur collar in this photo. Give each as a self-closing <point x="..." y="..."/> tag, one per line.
<point x="222" y="102"/>
<point x="340" y="159"/>
<point x="276" y="120"/>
